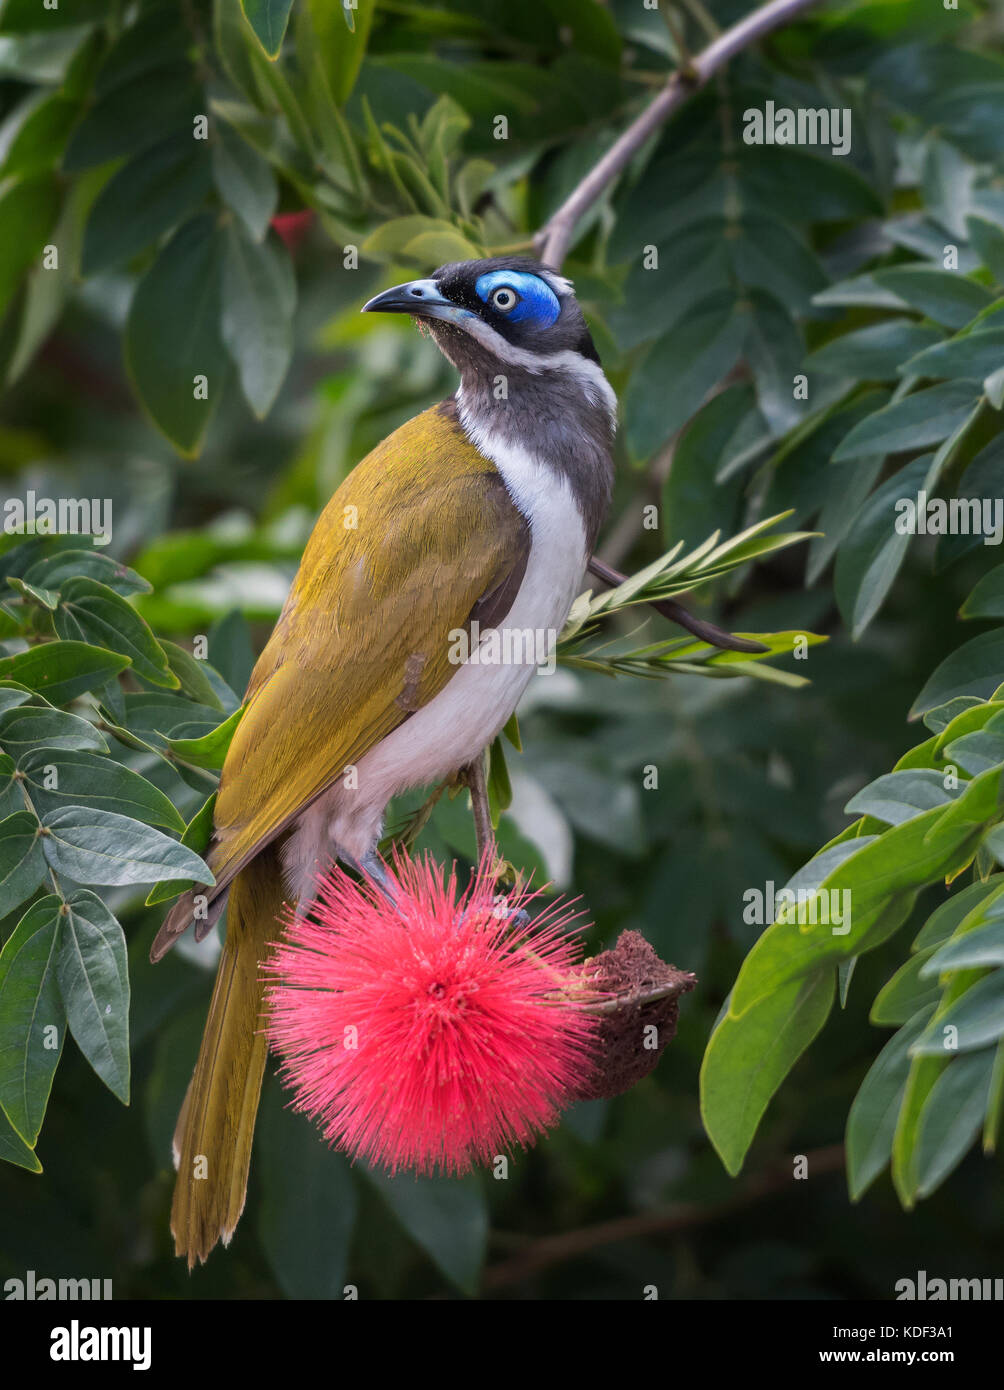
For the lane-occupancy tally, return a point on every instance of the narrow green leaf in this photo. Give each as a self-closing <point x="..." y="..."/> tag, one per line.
<point x="63" y="670"/>
<point x="259" y="296"/>
<point x="14" y="1150"/>
<point x="32" y="1017"/>
<point x="976" y="1018"/>
<point x="102" y="847"/>
<point x="987" y="599"/>
<point x="57" y="779"/>
<point x="209" y="751"/>
<point x="28" y="726"/>
<point x="943" y="295"/>
<point x="899" y="796"/>
<point x="268" y="19"/>
<point x="952" y="1117"/>
<point x="905" y="993"/>
<point x="192" y="675"/>
<point x="93" y="976"/>
<point x="198" y="834"/>
<point x="871" y="1121"/>
<point x="748" y="1057"/>
<point x="980" y="947"/>
<point x="244" y="180"/>
<point x="924" y="418"/>
<point x="975" y="668"/>
<point x="173" y="350"/>
<point x="90" y="612"/>
<point x="148" y="196"/>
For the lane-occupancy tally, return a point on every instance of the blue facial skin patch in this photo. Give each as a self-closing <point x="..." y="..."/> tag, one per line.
<point x="537" y="303"/>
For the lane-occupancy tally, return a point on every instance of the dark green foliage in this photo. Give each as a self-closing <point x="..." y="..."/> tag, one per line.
<point x="793" y="335"/>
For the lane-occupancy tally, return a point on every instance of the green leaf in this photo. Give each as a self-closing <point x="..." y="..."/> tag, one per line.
<point x="230" y="649"/>
<point x="192" y="675"/>
<point x="27" y="215"/>
<point x="882" y="878"/>
<point x="13" y="1149"/>
<point x="173" y="350"/>
<point x="244" y="180"/>
<point x="694" y="502"/>
<point x="499" y="785"/>
<point x="259" y="297"/>
<point x="150" y="194"/>
<point x="748" y="1058"/>
<point x="924" y="418"/>
<point x="209" y="751"/>
<point x="447" y="1217"/>
<point x="952" y="1117"/>
<point x="988" y="240"/>
<point x="308" y="1203"/>
<point x="34" y="134"/>
<point x="980" y="947"/>
<point x="11" y="697"/>
<point x="941" y="719"/>
<point x="680" y="369"/>
<point x="11" y="799"/>
<point x="90" y="612"/>
<point x="899" y="796"/>
<point x="44" y="598"/>
<point x="943" y="295"/>
<point x="198" y="834"/>
<point x="905" y="993"/>
<point x="863" y="291"/>
<point x="53" y="571"/>
<point x="871" y="1121"/>
<point x="971" y="357"/>
<point x="268" y="19"/>
<point x="870" y="558"/>
<point x="975" y="668"/>
<point x="341" y="49"/>
<point x="86" y="779"/>
<point x="62" y="670"/>
<point x="987" y="599"/>
<point x="102" y="847"/>
<point x="976" y="753"/>
<point x="944" y="920"/>
<point x="30" y="1005"/>
<point x="25" y="728"/>
<point x="977" y="1016"/>
<point x="134" y="113"/>
<point x="874" y="352"/>
<point x="93" y="976"/>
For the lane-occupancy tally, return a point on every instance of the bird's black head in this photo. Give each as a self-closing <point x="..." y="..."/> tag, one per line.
<point x="511" y="308"/>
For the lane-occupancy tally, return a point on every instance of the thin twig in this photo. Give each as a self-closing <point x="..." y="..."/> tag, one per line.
<point x="682" y="1216"/>
<point x="474" y="775"/>
<point x="676" y="613"/>
<point x="553" y="240"/>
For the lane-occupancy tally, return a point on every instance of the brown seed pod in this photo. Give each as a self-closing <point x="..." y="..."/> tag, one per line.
<point x="637" y="1004"/>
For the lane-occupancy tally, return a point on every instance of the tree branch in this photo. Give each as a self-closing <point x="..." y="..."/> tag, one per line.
<point x="553" y="240"/>
<point x="676" y="613"/>
<point x="474" y="775"/>
<point x="542" y="1254"/>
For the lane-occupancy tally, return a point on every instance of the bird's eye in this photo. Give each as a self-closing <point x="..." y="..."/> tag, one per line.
<point x="504" y="299"/>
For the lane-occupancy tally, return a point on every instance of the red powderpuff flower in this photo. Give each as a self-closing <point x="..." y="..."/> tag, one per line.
<point x="431" y="1034"/>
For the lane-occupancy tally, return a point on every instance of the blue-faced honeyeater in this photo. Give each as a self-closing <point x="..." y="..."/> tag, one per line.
<point x="480" y="510"/>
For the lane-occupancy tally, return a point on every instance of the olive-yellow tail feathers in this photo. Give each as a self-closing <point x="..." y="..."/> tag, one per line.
<point x="212" y="1142"/>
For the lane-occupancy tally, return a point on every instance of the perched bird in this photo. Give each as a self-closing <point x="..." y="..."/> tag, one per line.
<point x="479" y="515"/>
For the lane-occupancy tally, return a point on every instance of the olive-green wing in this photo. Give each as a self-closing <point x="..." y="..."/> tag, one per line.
<point x="421" y="535"/>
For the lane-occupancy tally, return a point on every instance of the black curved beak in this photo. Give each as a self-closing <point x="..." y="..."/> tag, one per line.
<point x="419" y="297"/>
